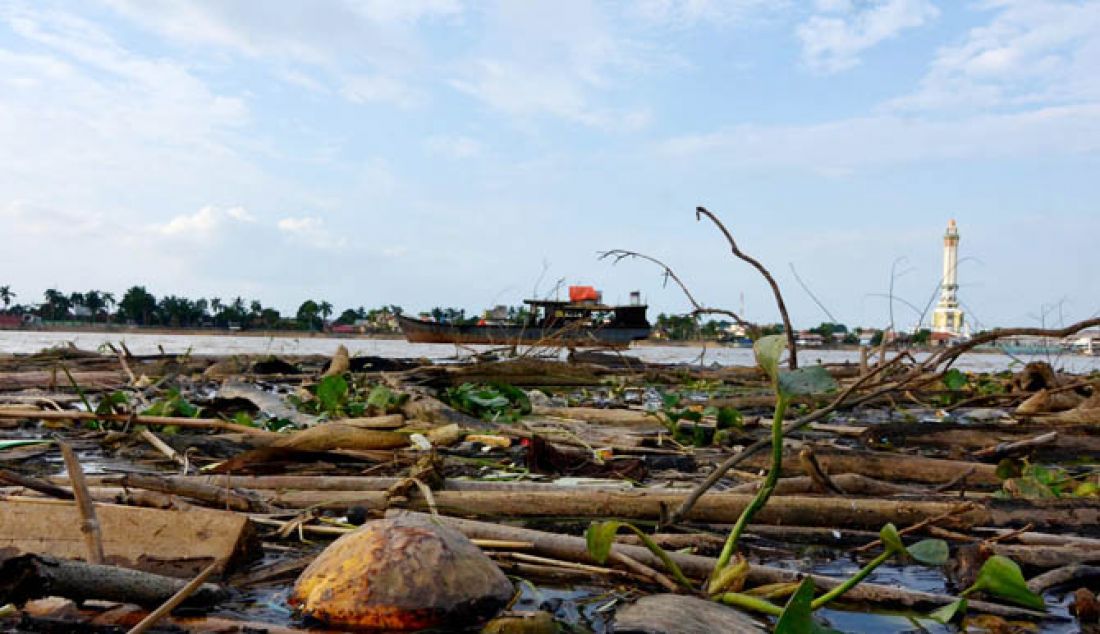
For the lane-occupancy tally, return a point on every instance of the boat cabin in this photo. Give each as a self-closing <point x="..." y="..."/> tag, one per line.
<point x="558" y="313"/>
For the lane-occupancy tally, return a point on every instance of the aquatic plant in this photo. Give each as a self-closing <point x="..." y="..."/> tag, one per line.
<point x="492" y="401"/>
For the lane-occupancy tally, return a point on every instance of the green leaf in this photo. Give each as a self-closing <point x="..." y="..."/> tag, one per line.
<point x="487" y="399"/>
<point x="728" y="417"/>
<point x="515" y="396"/>
<point x="242" y="418"/>
<point x="1028" y="487"/>
<point x="1086" y="489"/>
<point x="930" y="552"/>
<point x="601" y="535"/>
<point x="768" y="350"/>
<point x="797" y="617"/>
<point x="949" y="612"/>
<point x="380" y="397"/>
<point x="892" y="540"/>
<point x="107" y="404"/>
<point x="331" y="392"/>
<point x="812" y="380"/>
<point x="953" y="379"/>
<point x="1001" y="576"/>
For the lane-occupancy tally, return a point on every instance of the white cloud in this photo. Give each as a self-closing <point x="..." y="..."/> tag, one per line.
<point x="686" y="13"/>
<point x="310" y="231"/>
<point x="205" y="224"/>
<point x="118" y="128"/>
<point x="363" y="89"/>
<point x="454" y="147"/>
<point x="356" y="48"/>
<point x="562" y="60"/>
<point x="408" y="10"/>
<point x="525" y="92"/>
<point x="833" y="40"/>
<point x="1032" y="51"/>
<point x="839" y="147"/>
<point x="240" y="214"/>
<point x="21" y="219"/>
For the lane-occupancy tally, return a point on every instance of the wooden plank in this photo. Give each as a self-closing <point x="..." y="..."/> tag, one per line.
<point x="173" y="543"/>
<point x="50" y="380"/>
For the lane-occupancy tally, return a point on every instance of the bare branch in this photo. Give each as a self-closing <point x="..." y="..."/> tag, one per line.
<point x="697" y="309"/>
<point x="792" y="359"/>
<point x="798" y="278"/>
<point x="685" y="507"/>
<point x="946" y="357"/>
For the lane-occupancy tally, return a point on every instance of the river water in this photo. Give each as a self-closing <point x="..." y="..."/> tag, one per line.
<point x="175" y="343"/>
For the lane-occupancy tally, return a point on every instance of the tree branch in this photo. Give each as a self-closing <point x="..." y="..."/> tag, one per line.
<point x="697" y="308"/>
<point x="792" y="359"/>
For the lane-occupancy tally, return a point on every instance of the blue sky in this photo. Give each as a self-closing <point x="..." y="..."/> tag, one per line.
<point x="438" y="152"/>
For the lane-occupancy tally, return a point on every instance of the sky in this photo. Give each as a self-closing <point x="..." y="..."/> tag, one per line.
<point x="449" y="153"/>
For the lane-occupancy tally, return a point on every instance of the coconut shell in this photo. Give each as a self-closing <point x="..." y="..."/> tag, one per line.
<point x="404" y="573"/>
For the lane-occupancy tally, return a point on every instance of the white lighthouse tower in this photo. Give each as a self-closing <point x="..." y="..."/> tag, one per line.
<point x="947" y="319"/>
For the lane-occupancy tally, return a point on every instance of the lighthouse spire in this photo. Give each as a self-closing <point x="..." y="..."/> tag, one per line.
<point x="947" y="319"/>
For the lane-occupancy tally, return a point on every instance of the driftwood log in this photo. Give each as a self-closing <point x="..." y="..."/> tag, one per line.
<point x="721" y="508"/>
<point x="26" y="577"/>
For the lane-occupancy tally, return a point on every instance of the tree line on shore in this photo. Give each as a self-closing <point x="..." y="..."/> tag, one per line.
<point x="689" y="327"/>
<point x="138" y="306"/>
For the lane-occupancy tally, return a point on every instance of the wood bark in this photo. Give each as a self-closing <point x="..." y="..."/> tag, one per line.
<point x="722" y="508"/>
<point x="849" y="483"/>
<point x="137" y="419"/>
<point x="26" y="577"/>
<point x="887" y="466"/>
<point x="218" y="496"/>
<point x="92" y="380"/>
<point x="343" y="483"/>
<point x="614" y="417"/>
<point x="89" y="524"/>
<point x="1046" y="556"/>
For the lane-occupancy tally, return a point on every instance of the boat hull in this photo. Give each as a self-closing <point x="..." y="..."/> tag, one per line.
<point x="419" y="331"/>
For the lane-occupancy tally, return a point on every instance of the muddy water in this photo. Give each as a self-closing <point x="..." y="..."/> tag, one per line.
<point x="142" y="343"/>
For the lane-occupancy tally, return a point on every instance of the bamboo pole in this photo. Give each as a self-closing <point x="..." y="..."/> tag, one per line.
<point x="89" y="523"/>
<point x="137" y="419"/>
<point x="175" y="600"/>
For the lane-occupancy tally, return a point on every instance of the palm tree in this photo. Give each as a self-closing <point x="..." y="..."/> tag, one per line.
<point x="6" y="296"/>
<point x="325" y="309"/>
<point x="237" y="310"/>
<point x="137" y="304"/>
<point x="76" y="301"/>
<point x="55" y="301"/>
<point x="109" y="302"/>
<point x="93" y="301"/>
<point x="307" y="314"/>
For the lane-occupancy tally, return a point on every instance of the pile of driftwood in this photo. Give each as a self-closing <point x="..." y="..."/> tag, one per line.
<point x="143" y="492"/>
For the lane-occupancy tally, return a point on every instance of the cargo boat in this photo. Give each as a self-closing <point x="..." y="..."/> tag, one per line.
<point x="582" y="321"/>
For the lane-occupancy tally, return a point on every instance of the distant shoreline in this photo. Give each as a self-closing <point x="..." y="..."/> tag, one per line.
<point x="306" y="334"/>
<point x="209" y="332"/>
